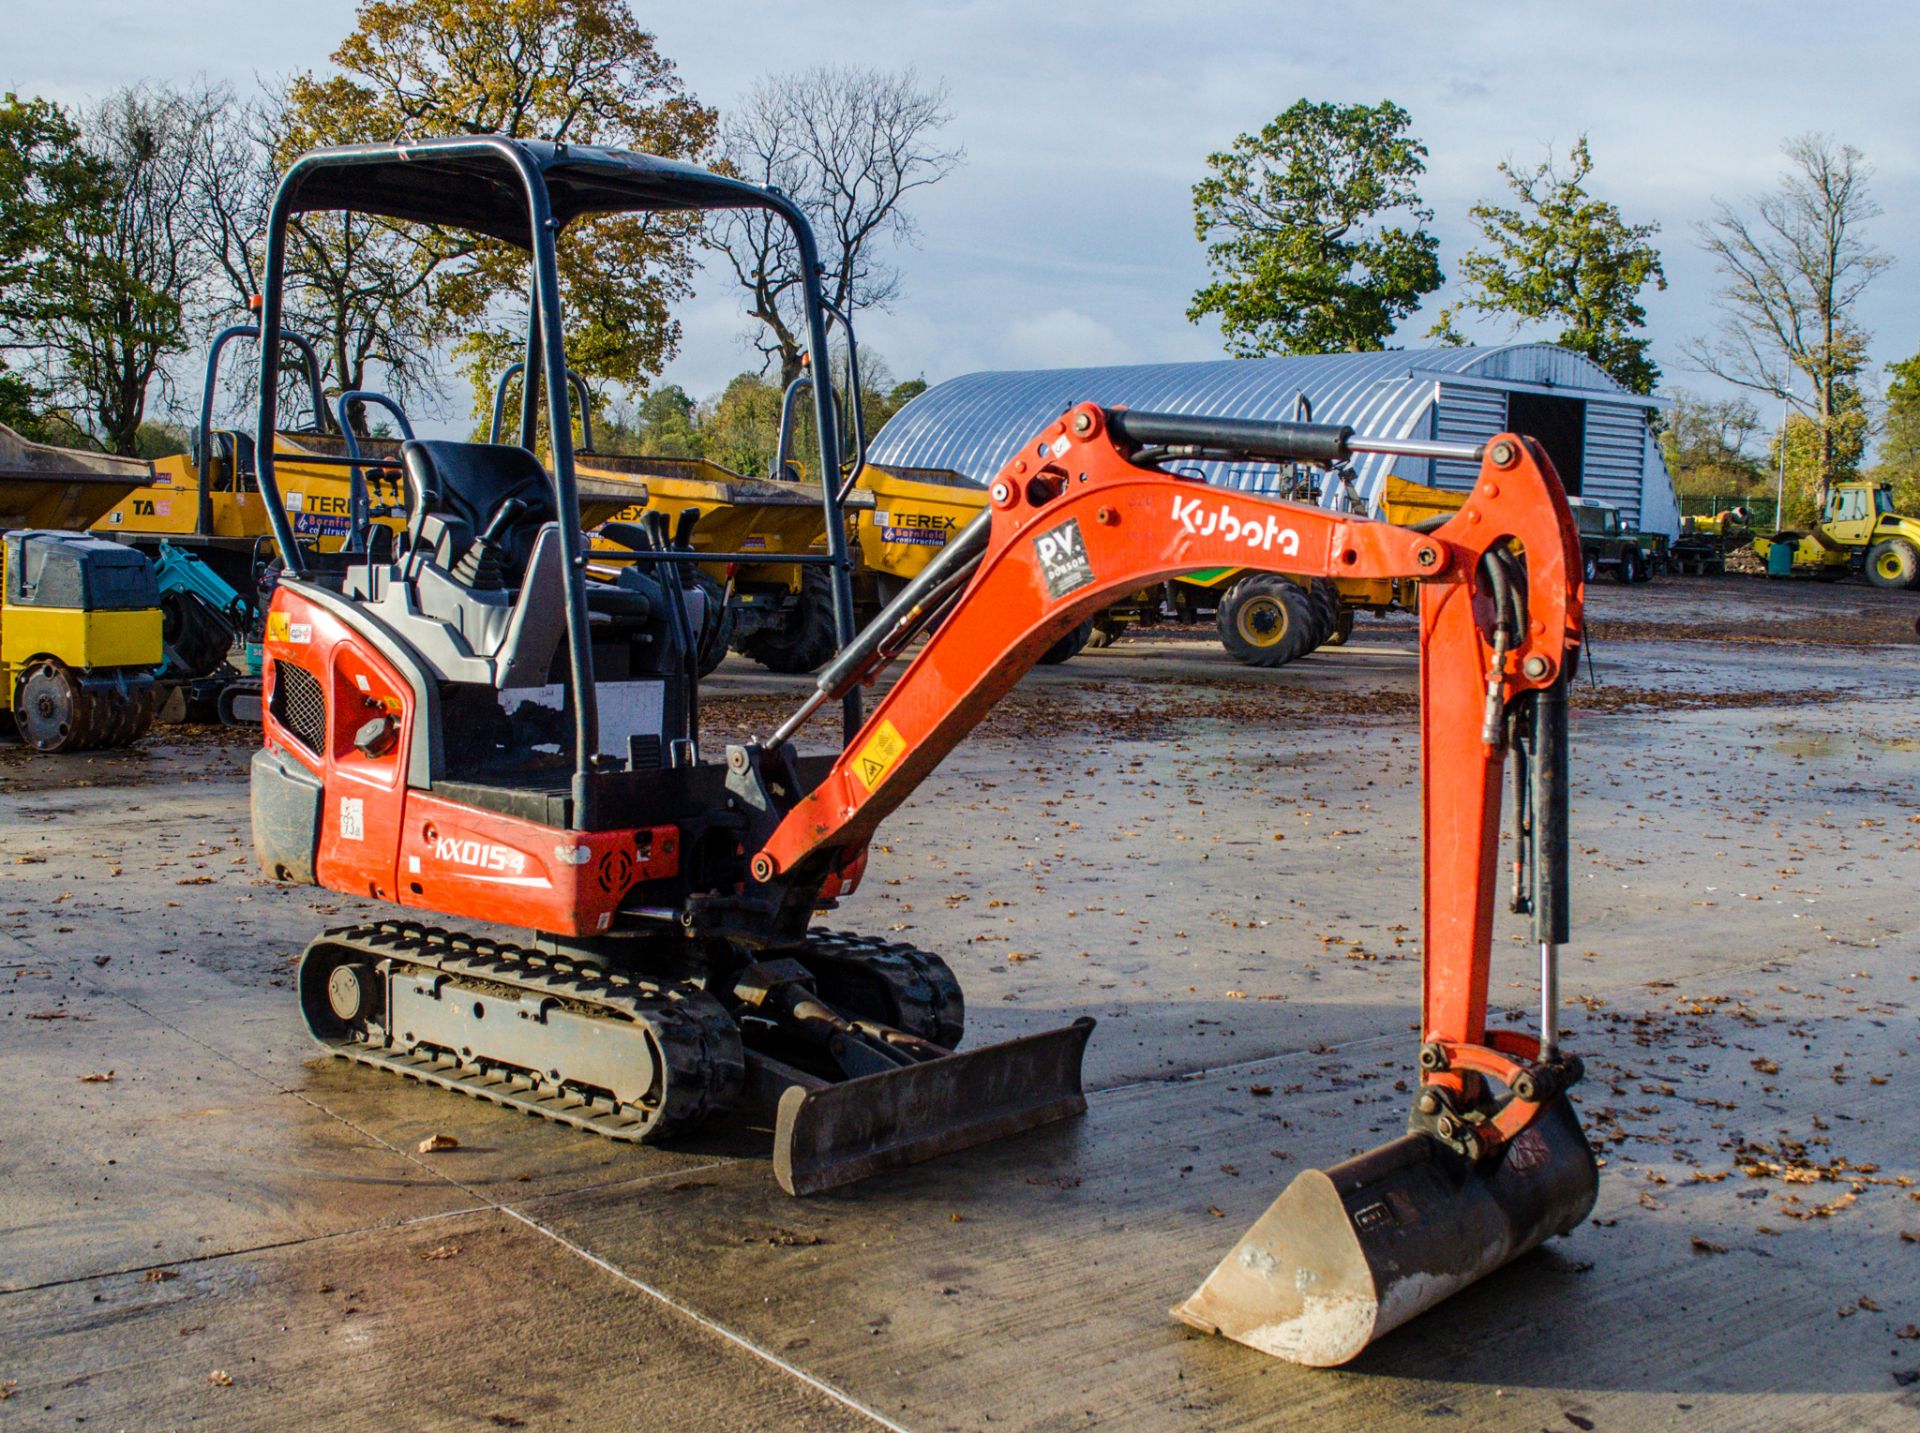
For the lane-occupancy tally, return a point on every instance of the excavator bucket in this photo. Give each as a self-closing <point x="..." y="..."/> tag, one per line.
<point x="1347" y="1254"/>
<point x="833" y="1133"/>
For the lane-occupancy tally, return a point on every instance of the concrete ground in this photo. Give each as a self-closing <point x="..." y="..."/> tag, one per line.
<point x="202" y="1223"/>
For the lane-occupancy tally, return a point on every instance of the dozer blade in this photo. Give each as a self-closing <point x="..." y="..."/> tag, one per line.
<point x="1346" y="1254"/>
<point x="832" y="1134"/>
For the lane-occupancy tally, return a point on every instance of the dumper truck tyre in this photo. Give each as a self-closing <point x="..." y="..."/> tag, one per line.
<point x="1342" y="627"/>
<point x="1106" y="631"/>
<point x="193" y="636"/>
<point x="716" y="628"/>
<point x="1893" y="564"/>
<point x="1068" y="647"/>
<point x="1266" y="620"/>
<point x="805" y="639"/>
<point x="1326" y="609"/>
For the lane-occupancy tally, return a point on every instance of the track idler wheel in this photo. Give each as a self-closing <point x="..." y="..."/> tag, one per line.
<point x="1346" y="1254"/>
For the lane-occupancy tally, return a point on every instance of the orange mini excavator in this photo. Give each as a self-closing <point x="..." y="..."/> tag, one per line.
<point x="473" y="726"/>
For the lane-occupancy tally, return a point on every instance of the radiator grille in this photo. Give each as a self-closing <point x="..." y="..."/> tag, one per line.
<point x="300" y="705"/>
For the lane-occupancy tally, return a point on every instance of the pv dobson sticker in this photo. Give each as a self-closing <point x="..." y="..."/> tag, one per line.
<point x="1062" y="553"/>
<point x="353" y="819"/>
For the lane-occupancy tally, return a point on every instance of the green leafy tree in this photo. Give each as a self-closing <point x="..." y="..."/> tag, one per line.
<point x="1559" y="255"/>
<point x="581" y="71"/>
<point x="742" y="426"/>
<point x="1817" y="454"/>
<point x="1707" y="444"/>
<point x="1298" y="223"/>
<point x="665" y="423"/>
<point x="1899" y="462"/>
<point x="50" y="186"/>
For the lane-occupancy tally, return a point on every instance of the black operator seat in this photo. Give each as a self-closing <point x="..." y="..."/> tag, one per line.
<point x="455" y="491"/>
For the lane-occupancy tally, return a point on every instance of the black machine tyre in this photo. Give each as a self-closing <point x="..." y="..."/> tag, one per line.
<point x="1342" y="627"/>
<point x="194" y="637"/>
<point x="1629" y="569"/>
<point x="1590" y="568"/>
<point x="1649" y="567"/>
<point x="1893" y="564"/>
<point x="53" y="711"/>
<point x="1068" y="647"/>
<point x="806" y="638"/>
<point x="1326" y="609"/>
<point x="716" y="632"/>
<point x="1266" y="620"/>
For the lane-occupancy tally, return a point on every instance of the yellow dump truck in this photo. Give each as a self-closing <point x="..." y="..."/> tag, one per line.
<point x="778" y="612"/>
<point x="79" y="617"/>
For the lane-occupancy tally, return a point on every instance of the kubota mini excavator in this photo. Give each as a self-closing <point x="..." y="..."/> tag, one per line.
<point x="478" y="729"/>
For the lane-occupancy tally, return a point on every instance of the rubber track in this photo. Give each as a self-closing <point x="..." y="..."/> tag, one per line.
<point x="924" y="987"/>
<point x="692" y="1031"/>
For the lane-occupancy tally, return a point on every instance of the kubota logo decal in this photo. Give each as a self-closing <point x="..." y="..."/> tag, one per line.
<point x="480" y="855"/>
<point x="1261" y="535"/>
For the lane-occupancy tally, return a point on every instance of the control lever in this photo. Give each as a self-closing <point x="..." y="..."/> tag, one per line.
<point x="479" y="565"/>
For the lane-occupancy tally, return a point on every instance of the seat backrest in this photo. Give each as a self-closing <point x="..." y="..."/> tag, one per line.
<point x="467" y="482"/>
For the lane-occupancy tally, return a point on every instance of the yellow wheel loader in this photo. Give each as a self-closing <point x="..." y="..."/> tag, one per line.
<point x="79" y="616"/>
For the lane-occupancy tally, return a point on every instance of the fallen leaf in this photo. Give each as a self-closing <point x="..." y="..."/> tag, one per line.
<point x="219" y="1378"/>
<point x="105" y="1079"/>
<point x="1766" y="1066"/>
<point x="442" y="1251"/>
<point x="1260" y="1091"/>
<point x="1216" y="1211"/>
<point x="197" y="881"/>
<point x="7" y="1385"/>
<point x="160" y="1276"/>
<point x="1908" y="1332"/>
<point x="1869" y="1305"/>
<point x="434" y="1143"/>
<point x="1707" y="1246"/>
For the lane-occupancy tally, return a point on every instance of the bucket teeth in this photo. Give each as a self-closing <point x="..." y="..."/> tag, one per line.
<point x="1347" y="1254"/>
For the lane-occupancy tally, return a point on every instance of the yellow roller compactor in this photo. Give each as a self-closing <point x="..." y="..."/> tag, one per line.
<point x="79" y="617"/>
<point x="1858" y="531"/>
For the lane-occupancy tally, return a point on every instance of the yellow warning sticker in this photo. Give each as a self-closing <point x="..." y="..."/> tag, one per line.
<point x="878" y="755"/>
<point x="277" y="629"/>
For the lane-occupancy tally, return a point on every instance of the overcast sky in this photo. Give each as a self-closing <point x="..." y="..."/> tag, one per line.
<point x="1067" y="236"/>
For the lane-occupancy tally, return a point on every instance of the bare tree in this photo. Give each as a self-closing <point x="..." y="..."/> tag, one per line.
<point x="363" y="287"/>
<point x="848" y="145"/>
<point x="1795" y="267"/>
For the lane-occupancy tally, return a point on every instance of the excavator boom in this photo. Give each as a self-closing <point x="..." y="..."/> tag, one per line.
<point x="1495" y="1161"/>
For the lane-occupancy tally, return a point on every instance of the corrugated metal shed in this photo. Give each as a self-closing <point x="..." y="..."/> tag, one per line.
<point x="974" y="423"/>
